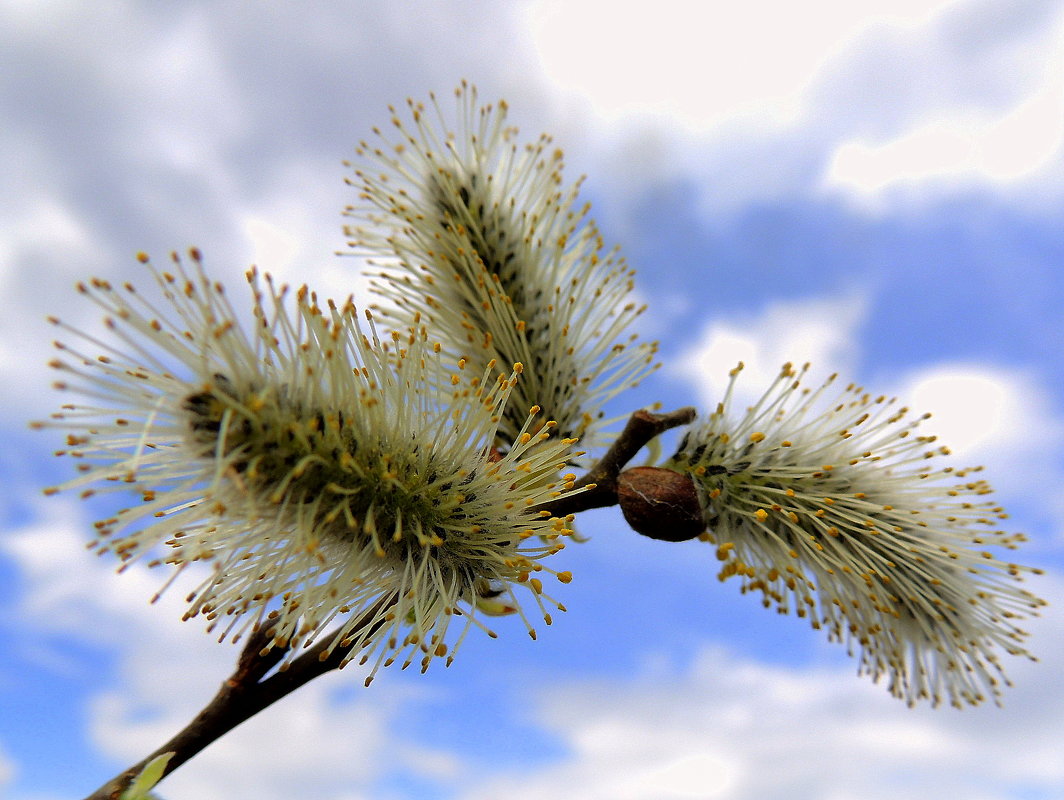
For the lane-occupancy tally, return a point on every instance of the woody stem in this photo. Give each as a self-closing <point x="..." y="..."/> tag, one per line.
<point x="243" y="694"/>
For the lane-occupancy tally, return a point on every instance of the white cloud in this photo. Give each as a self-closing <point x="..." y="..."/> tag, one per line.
<point x="979" y="409"/>
<point x="701" y="64"/>
<point x="999" y="417"/>
<point x="42" y="245"/>
<point x="963" y="144"/>
<point x="866" y="100"/>
<point x="293" y="231"/>
<point x="822" y="331"/>
<point x="730" y="727"/>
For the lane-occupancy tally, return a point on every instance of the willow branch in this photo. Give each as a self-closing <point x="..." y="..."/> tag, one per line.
<point x="642" y="427"/>
<point x="243" y="695"/>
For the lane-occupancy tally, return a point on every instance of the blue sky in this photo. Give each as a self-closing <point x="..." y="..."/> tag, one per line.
<point x="874" y="186"/>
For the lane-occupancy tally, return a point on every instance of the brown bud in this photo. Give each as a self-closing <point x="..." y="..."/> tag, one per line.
<point x="660" y="503"/>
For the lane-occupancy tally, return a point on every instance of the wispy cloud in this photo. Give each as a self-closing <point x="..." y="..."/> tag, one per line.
<point x="1002" y="418"/>
<point x="967" y="143"/>
<point x="702" y="65"/>
<point x="863" y="100"/>
<point x="727" y="726"/>
<point x="823" y="331"/>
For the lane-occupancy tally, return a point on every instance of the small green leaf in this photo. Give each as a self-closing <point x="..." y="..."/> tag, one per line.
<point x="148" y="777"/>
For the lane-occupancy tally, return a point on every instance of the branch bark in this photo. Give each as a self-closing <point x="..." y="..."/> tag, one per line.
<point x="243" y="694"/>
<point x="642" y="427"/>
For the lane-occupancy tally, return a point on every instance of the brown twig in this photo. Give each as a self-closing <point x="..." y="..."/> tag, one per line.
<point x="642" y="427"/>
<point x="243" y="694"/>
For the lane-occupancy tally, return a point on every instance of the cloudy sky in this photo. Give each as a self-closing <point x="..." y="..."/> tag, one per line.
<point x="874" y="186"/>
